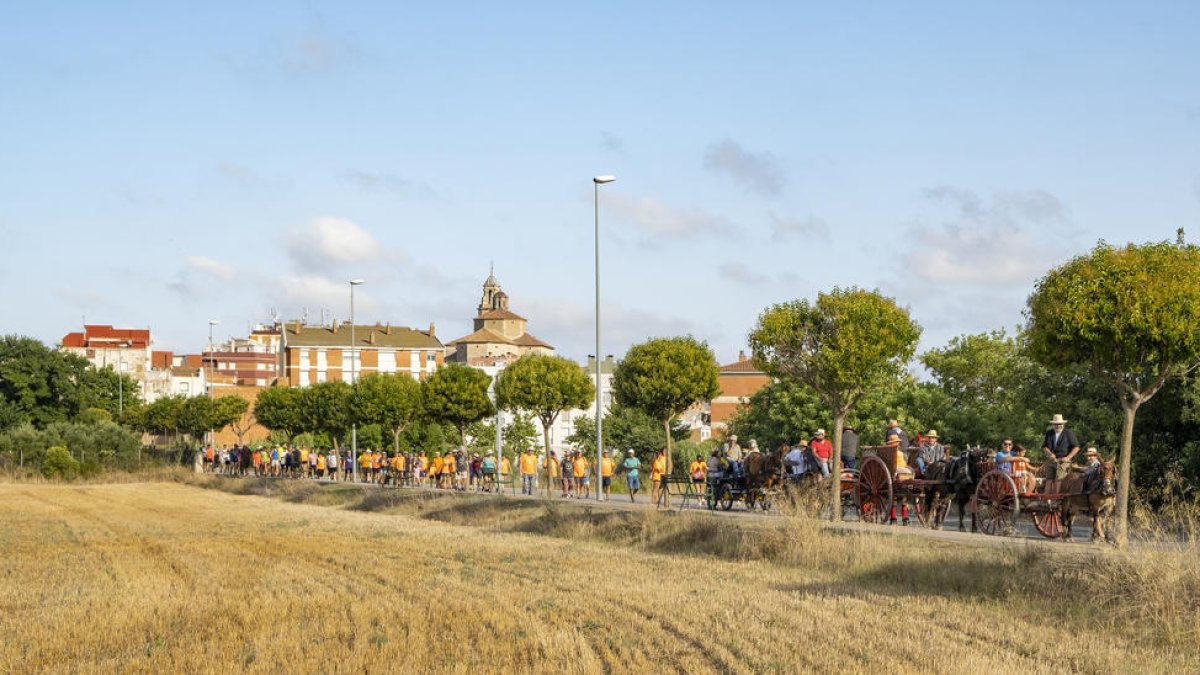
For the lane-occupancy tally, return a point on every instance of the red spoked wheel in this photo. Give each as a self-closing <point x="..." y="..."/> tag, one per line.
<point x="873" y="491"/>
<point x="1048" y="523"/>
<point x="997" y="503"/>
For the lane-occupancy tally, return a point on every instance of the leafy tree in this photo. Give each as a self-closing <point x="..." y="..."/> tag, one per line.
<point x="60" y="464"/>
<point x="546" y="386"/>
<point x="41" y="385"/>
<point x="196" y="416"/>
<point x="229" y="411"/>
<point x="279" y="409"/>
<point x="457" y="394"/>
<point x="847" y="342"/>
<point x="160" y="417"/>
<point x="519" y="434"/>
<point x="1130" y="315"/>
<point x="625" y="428"/>
<point x="664" y="377"/>
<point x="427" y="435"/>
<point x="325" y="408"/>
<point x="391" y="400"/>
<point x="782" y="411"/>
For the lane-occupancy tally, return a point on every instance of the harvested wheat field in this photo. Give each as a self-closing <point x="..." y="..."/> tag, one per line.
<point x="169" y="577"/>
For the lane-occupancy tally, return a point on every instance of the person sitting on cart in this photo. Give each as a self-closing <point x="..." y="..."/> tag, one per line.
<point x="714" y="468"/>
<point x="793" y="460"/>
<point x="1026" y="483"/>
<point x="1092" y="472"/>
<point x="1061" y="445"/>
<point x="931" y="451"/>
<point x="822" y="449"/>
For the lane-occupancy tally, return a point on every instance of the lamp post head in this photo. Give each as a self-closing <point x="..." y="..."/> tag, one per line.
<point x="357" y="282"/>
<point x="213" y="322"/>
<point x="601" y="180"/>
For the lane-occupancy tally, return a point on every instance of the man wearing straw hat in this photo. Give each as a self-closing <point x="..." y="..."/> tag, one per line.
<point x="1060" y="443"/>
<point x="931" y="451"/>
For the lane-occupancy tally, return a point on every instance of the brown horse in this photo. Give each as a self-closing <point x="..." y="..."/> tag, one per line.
<point x="1091" y="492"/>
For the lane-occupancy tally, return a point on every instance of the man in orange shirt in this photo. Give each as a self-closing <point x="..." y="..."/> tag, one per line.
<point x="582" y="479"/>
<point x="528" y="466"/>
<point x="658" y="470"/>
<point x="607" y="466"/>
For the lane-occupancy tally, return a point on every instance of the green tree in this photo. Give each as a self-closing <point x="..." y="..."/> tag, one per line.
<point x="545" y="386"/>
<point x="279" y="409"/>
<point x="41" y="385"/>
<point x="391" y="400"/>
<point x="782" y="411"/>
<point x="196" y="416"/>
<point x="458" y="394"/>
<point x="60" y="464"/>
<point x="325" y="408"/>
<point x="625" y="428"/>
<point x="229" y="411"/>
<point x="1130" y="315"/>
<point x="160" y="417"/>
<point x="664" y="377"/>
<point x="847" y="342"/>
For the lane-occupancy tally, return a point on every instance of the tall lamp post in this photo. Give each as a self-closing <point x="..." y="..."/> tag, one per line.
<point x="353" y="379"/>
<point x="597" y="182"/>
<point x="211" y="322"/>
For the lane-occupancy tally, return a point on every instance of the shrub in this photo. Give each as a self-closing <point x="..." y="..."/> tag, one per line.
<point x="59" y="464"/>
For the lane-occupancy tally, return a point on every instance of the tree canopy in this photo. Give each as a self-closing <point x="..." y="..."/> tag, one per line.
<point x="458" y="394"/>
<point x="841" y="346"/>
<point x="279" y="409"/>
<point x="40" y="385"/>
<point x="1128" y="314"/>
<point x="663" y="377"/>
<point x="391" y="400"/>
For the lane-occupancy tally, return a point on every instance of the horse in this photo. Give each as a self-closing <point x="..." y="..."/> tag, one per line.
<point x="963" y="474"/>
<point x="1092" y="492"/>
<point x="936" y="497"/>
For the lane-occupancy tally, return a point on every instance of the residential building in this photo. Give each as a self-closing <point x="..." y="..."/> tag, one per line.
<point x="499" y="333"/>
<point x="126" y="350"/>
<point x="250" y="362"/>
<point x="313" y="354"/>
<point x="738" y="382"/>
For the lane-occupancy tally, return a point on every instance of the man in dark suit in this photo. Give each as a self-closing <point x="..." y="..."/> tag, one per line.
<point x="1060" y="443"/>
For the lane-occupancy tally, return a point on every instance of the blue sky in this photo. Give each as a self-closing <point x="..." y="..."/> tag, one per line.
<point x="163" y="164"/>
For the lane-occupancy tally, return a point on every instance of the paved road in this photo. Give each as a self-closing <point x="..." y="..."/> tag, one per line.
<point x="1025" y="530"/>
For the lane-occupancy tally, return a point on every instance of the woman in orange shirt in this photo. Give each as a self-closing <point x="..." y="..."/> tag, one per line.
<point x="658" y="469"/>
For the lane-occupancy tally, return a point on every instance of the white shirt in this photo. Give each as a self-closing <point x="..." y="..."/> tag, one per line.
<point x="796" y="456"/>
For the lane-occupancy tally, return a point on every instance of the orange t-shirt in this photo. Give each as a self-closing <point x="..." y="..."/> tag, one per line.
<point x="658" y="468"/>
<point x="581" y="467"/>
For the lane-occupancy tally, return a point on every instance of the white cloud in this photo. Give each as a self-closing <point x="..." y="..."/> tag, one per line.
<point x="656" y="218"/>
<point x="315" y="291"/>
<point x="329" y="240"/>
<point x="761" y="172"/>
<point x="208" y="266"/>
<point x="742" y="274"/>
<point x="1009" y="239"/>
<point x="782" y="228"/>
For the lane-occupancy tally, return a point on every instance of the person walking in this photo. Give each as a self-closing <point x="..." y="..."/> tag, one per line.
<point x="607" y="466"/>
<point x="658" y="472"/>
<point x="528" y="466"/>
<point x="632" y="480"/>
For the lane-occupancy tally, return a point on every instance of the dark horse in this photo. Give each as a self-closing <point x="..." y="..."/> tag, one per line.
<point x="963" y="474"/>
<point x="936" y="497"/>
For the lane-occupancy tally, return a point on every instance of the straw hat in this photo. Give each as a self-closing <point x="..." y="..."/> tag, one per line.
<point x="1092" y="451"/>
<point x="1057" y="419"/>
<point x="932" y="433"/>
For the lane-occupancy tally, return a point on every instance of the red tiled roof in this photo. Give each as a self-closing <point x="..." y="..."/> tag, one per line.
<point x="743" y="366"/>
<point x="484" y="335"/>
<point x="528" y="340"/>
<point x="107" y="336"/>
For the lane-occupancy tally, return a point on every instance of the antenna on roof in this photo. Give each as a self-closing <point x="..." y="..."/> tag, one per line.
<point x="304" y="316"/>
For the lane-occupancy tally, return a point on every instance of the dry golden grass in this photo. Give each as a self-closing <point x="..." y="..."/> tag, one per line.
<point x="172" y="578"/>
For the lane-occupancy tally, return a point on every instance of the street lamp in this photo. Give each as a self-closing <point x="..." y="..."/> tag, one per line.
<point x="211" y="322"/>
<point x="597" y="182"/>
<point x="353" y="379"/>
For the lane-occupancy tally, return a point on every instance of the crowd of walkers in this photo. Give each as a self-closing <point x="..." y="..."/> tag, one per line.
<point x="451" y="470"/>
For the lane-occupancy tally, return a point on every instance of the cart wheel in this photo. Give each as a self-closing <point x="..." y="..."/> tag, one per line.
<point x="1048" y="523"/>
<point x="997" y="503"/>
<point x="873" y="491"/>
<point x="725" y="497"/>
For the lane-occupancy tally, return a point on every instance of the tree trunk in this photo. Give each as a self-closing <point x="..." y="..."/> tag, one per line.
<point x="396" y="440"/>
<point x="835" y="470"/>
<point x="1122" y="531"/>
<point x="666" y="495"/>
<point x="546" y="447"/>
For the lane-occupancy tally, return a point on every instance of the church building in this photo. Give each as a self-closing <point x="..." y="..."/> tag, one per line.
<point x="499" y="336"/>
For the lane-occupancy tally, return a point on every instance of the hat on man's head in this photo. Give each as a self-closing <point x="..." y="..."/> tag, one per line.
<point x="820" y="432"/>
<point x="1092" y="451"/>
<point x="1057" y="419"/>
<point x="932" y="433"/>
<point x="631" y="451"/>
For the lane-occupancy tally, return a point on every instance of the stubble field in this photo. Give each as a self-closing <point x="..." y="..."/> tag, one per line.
<point x="171" y="577"/>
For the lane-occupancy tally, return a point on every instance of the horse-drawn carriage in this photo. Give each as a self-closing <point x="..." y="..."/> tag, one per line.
<point x="1000" y="497"/>
<point x="886" y="478"/>
<point x="755" y="482"/>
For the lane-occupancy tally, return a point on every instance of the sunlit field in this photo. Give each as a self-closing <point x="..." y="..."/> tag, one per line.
<point x="172" y="577"/>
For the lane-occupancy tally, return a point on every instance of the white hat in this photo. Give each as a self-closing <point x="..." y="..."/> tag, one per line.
<point x="820" y="432"/>
<point x="1058" y="419"/>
